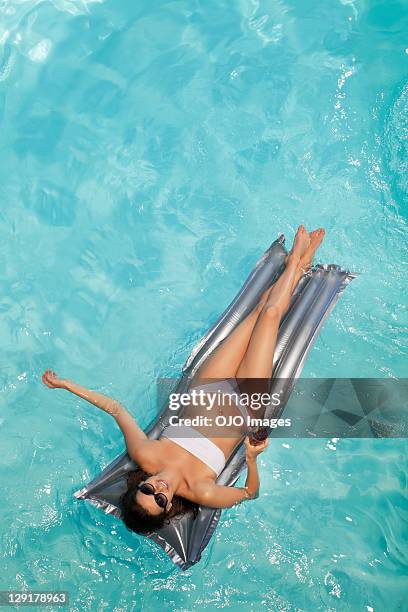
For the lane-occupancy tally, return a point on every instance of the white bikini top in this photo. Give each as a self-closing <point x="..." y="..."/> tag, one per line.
<point x="197" y="444"/>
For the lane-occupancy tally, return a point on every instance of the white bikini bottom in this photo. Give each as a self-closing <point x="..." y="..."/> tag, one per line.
<point x="193" y="440"/>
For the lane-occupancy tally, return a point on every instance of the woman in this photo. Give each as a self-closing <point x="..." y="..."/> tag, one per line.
<point x="177" y="473"/>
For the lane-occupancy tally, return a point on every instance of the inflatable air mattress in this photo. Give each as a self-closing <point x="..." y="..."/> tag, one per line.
<point x="185" y="538"/>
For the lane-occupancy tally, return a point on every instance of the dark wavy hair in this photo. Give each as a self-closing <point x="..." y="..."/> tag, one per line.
<point x="137" y="519"/>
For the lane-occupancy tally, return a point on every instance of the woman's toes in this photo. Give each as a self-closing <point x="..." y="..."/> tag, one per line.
<point x="301" y="243"/>
<point x="320" y="234"/>
<point x="316" y="238"/>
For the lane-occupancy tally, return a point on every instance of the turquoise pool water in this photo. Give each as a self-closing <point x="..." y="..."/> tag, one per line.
<point x="149" y="153"/>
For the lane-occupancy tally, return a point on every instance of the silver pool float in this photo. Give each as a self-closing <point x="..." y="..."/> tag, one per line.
<point x="316" y="294"/>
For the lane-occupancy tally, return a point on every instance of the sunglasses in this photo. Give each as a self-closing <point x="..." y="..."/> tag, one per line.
<point x="148" y="489"/>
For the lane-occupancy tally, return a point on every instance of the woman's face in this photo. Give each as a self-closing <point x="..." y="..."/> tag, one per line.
<point x="148" y="502"/>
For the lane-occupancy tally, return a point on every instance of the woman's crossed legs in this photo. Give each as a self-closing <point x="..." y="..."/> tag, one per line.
<point x="249" y="349"/>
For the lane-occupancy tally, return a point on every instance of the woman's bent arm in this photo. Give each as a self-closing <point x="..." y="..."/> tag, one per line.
<point x="216" y="496"/>
<point x="252" y="480"/>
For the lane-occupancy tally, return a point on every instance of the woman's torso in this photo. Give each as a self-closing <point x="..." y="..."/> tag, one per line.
<point x="224" y="436"/>
<point x="226" y="423"/>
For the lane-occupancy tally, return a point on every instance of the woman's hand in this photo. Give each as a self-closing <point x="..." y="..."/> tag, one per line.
<point x="253" y="451"/>
<point x="52" y="381"/>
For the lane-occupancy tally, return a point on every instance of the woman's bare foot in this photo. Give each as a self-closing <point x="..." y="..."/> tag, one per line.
<point x="301" y="243"/>
<point x="316" y="238"/>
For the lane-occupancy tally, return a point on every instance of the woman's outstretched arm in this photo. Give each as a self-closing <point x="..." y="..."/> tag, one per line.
<point x="134" y="436"/>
